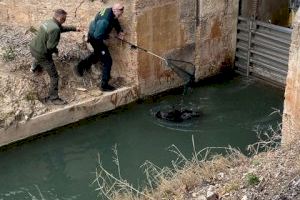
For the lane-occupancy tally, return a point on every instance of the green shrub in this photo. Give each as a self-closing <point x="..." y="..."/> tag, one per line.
<point x="252" y="179"/>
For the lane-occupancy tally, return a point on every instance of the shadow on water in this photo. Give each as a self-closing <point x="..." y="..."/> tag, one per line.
<point x="61" y="165"/>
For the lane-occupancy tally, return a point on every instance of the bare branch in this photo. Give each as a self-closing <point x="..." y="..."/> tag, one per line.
<point x="78" y="7"/>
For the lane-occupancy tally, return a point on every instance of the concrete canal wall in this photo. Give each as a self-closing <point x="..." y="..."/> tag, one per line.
<point x="291" y="113"/>
<point x="62" y="116"/>
<point x="216" y="29"/>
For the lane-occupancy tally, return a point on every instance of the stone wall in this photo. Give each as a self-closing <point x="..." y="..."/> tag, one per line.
<point x="291" y="113"/>
<point x="216" y="36"/>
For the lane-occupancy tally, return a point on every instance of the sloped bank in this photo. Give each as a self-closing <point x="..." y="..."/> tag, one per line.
<point x="270" y="175"/>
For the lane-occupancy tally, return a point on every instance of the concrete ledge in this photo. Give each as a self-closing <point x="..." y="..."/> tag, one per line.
<point x="67" y="115"/>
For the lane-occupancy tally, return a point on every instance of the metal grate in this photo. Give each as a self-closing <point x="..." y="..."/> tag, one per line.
<point x="262" y="50"/>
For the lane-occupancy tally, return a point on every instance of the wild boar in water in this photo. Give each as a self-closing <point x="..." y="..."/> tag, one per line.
<point x="177" y="115"/>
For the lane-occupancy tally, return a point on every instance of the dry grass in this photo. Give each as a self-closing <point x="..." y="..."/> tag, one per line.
<point x="271" y="174"/>
<point x="268" y="140"/>
<point x="173" y="182"/>
<point x="268" y="175"/>
<point x="232" y="185"/>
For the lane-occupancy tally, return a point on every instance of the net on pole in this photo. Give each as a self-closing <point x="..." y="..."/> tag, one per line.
<point x="184" y="69"/>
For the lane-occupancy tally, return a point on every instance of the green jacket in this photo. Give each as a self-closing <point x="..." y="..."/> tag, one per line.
<point x="46" y="41"/>
<point x="103" y="24"/>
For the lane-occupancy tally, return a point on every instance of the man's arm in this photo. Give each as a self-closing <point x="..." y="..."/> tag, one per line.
<point x="52" y="42"/>
<point x="119" y="29"/>
<point x="117" y="26"/>
<point x="69" y="28"/>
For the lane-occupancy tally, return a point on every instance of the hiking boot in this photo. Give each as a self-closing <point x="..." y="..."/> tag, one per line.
<point x="107" y="88"/>
<point x="35" y="68"/>
<point x="58" y="101"/>
<point x="78" y="71"/>
<point x="32" y="69"/>
<point x="44" y="100"/>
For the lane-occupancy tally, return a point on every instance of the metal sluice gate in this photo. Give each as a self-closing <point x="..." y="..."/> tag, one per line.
<point x="262" y="50"/>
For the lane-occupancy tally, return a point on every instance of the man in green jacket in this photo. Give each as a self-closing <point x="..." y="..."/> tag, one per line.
<point x="44" y="45"/>
<point x="99" y="30"/>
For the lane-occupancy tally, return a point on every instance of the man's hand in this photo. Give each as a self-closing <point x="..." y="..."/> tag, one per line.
<point x="55" y="51"/>
<point x="121" y="35"/>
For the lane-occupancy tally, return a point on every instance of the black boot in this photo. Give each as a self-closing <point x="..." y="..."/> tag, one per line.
<point x="78" y="70"/>
<point x="58" y="101"/>
<point x="35" y="68"/>
<point x="54" y="101"/>
<point x="106" y="87"/>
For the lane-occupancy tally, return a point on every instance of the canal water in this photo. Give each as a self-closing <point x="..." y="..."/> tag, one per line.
<point x="61" y="165"/>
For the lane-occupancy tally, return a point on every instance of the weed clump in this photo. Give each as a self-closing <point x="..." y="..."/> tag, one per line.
<point x="252" y="179"/>
<point x="31" y="96"/>
<point x="8" y="54"/>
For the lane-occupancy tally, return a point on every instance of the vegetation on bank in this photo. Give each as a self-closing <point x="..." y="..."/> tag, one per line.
<point x="271" y="174"/>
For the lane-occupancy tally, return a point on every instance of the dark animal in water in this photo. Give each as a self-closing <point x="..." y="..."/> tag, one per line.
<point x="176" y="115"/>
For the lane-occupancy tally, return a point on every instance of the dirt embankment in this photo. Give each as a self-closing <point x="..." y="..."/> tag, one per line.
<point x="21" y="91"/>
<point x="271" y="175"/>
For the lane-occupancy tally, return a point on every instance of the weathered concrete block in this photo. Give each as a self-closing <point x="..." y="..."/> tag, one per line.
<point x="291" y="113"/>
<point x="216" y="38"/>
<point x="160" y="31"/>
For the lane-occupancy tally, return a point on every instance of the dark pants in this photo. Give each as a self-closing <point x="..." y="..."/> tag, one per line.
<point x="46" y="62"/>
<point x="101" y="53"/>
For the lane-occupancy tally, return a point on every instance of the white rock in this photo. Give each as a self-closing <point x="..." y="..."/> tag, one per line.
<point x="221" y="176"/>
<point x="245" y="197"/>
<point x="211" y="194"/>
<point x="201" y="197"/>
<point x="81" y="89"/>
<point x="226" y="195"/>
<point x="214" y="196"/>
<point x="194" y="194"/>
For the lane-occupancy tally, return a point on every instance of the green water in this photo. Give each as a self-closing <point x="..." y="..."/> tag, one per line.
<point x="61" y="166"/>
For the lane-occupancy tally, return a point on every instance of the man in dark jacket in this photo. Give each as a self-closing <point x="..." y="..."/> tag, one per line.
<point x="44" y="45"/>
<point x="99" y="30"/>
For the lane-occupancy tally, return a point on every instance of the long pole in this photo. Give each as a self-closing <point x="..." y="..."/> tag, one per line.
<point x="145" y="50"/>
